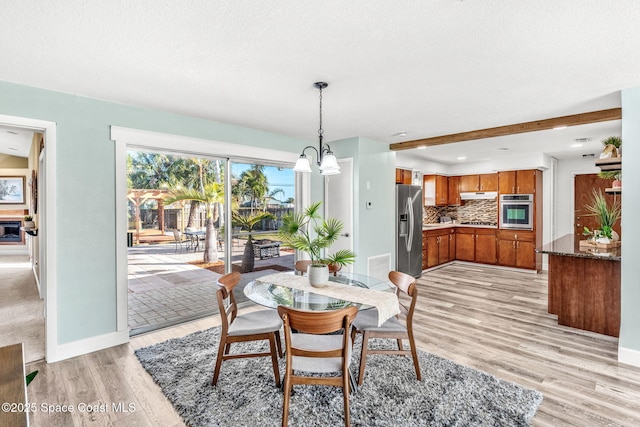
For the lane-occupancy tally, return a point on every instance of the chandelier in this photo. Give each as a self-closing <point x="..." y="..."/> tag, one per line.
<point x="326" y="160"/>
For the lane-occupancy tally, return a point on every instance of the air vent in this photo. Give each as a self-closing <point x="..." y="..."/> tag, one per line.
<point x="588" y="155"/>
<point x="582" y="140"/>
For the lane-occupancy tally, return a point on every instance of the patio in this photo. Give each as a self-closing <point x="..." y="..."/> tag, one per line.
<point x="166" y="289"/>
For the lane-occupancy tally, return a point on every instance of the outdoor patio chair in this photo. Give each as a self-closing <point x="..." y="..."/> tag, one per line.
<point x="253" y="326"/>
<point x="178" y="240"/>
<point x="310" y="350"/>
<point x="367" y="324"/>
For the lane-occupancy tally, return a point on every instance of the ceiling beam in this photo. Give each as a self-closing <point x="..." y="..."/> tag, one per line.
<point x="546" y="124"/>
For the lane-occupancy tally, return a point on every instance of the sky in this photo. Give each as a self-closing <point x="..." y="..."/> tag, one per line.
<point x="277" y="177"/>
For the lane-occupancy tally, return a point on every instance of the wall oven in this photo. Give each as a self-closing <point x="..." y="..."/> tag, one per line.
<point x="516" y="211"/>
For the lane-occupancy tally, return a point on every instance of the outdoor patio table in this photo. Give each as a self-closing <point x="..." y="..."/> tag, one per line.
<point x="194" y="239"/>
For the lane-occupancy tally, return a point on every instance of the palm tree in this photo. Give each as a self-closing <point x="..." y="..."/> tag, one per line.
<point x="255" y="183"/>
<point x="210" y="195"/>
<point x="247" y="223"/>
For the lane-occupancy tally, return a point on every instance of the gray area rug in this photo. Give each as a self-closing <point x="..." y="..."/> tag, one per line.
<point x="448" y="395"/>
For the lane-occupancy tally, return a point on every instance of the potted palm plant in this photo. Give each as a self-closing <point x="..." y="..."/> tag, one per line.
<point x="308" y="232"/>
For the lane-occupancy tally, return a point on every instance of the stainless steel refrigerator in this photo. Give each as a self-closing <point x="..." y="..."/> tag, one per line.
<point x="409" y="229"/>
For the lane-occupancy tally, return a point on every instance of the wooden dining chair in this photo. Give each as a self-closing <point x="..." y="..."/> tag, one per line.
<point x="310" y="350"/>
<point x="301" y="266"/>
<point x="253" y="326"/>
<point x="367" y="324"/>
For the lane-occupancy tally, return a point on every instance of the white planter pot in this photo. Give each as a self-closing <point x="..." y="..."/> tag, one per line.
<point x="29" y="224"/>
<point x="318" y="275"/>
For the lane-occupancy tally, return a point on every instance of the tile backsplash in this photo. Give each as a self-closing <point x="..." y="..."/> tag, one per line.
<point x="472" y="210"/>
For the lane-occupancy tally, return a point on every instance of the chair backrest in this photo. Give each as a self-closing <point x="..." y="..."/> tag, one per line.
<point x="302" y="265"/>
<point x="406" y="284"/>
<point x="228" y="312"/>
<point x="176" y="235"/>
<point x="318" y="322"/>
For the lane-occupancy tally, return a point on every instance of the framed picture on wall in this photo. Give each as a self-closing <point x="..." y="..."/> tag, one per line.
<point x="12" y="190"/>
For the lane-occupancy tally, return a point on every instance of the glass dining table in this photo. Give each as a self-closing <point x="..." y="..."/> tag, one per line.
<point x="272" y="295"/>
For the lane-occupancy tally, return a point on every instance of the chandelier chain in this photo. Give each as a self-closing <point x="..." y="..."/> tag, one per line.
<point x="320" y="130"/>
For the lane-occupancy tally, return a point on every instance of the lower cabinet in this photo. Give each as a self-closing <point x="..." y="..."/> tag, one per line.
<point x="517" y="249"/>
<point x="508" y="248"/>
<point x="437" y="247"/>
<point x="476" y="245"/>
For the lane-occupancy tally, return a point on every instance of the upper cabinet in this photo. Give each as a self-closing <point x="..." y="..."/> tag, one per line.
<point x="517" y="182"/>
<point x="404" y="176"/>
<point x="454" y="191"/>
<point x="482" y="182"/>
<point x="435" y="190"/>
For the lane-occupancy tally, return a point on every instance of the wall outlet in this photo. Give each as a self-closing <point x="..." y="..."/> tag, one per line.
<point x="369" y="205"/>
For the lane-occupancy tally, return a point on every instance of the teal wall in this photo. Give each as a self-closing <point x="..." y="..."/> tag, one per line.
<point x="373" y="228"/>
<point x="85" y="186"/>
<point x="630" y="325"/>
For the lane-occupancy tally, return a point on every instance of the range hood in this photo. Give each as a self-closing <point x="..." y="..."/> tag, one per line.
<point x="479" y="195"/>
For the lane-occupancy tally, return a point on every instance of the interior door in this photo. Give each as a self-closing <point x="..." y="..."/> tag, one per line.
<point x="583" y="191"/>
<point x="338" y="202"/>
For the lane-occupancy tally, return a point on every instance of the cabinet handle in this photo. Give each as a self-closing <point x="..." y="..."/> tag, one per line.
<point x="517" y="244"/>
<point x="516" y="236"/>
<point x="513" y="189"/>
<point x="514" y="244"/>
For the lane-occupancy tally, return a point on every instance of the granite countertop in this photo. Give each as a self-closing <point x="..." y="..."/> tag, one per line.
<point x="569" y="245"/>
<point x="438" y="226"/>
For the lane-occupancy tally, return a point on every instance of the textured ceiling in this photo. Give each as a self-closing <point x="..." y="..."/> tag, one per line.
<point x="425" y="67"/>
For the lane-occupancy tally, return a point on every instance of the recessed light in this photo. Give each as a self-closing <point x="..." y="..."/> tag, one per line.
<point x="560" y="127"/>
<point x="502" y="149"/>
<point x="12" y="132"/>
<point x="401" y="133"/>
<point x="582" y="140"/>
<point x="577" y="145"/>
<point x="462" y="158"/>
<point x="422" y="147"/>
<point x="14" y="149"/>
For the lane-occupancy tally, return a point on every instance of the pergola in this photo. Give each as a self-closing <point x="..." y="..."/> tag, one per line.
<point x="138" y="197"/>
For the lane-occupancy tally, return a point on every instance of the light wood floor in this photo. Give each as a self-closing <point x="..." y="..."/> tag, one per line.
<point x="491" y="319"/>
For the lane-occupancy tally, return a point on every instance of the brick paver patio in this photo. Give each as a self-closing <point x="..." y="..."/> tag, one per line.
<point x="164" y="289"/>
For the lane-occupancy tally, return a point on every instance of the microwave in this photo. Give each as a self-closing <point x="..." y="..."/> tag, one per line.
<point x="516" y="211"/>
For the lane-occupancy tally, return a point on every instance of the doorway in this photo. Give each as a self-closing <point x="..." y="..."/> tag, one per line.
<point x="584" y="186"/>
<point x="23" y="266"/>
<point x="339" y="204"/>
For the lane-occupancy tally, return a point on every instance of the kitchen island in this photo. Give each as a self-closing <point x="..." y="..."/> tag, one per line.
<point x="584" y="285"/>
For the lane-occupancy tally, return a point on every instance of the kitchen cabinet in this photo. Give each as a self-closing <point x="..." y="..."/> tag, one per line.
<point x="465" y="244"/>
<point x="517" y="182"/>
<point x="438" y="244"/>
<point x="435" y="190"/>
<point x="404" y="176"/>
<point x="454" y="191"/>
<point x="482" y="182"/>
<point x="476" y="245"/>
<point x="516" y="248"/>
<point x="424" y="250"/>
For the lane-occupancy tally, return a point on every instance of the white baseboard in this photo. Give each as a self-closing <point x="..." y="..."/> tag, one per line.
<point x="629" y="356"/>
<point x="89" y="345"/>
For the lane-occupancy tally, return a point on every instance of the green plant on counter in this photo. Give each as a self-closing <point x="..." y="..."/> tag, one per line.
<point x="606" y="214"/>
<point x="28" y="218"/>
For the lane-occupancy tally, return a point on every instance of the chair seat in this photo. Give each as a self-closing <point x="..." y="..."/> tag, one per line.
<point x="256" y="322"/>
<point x="367" y="320"/>
<point x="318" y="343"/>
